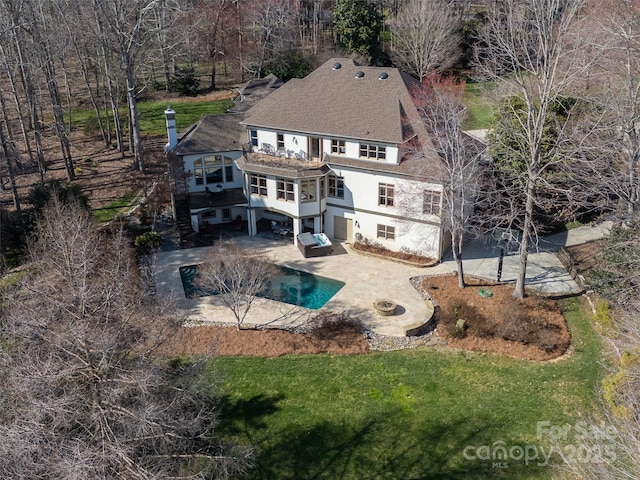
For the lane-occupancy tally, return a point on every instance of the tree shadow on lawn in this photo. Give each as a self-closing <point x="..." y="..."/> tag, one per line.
<point x="374" y="449"/>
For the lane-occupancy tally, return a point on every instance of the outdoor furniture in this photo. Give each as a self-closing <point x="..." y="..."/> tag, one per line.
<point x="314" y="244"/>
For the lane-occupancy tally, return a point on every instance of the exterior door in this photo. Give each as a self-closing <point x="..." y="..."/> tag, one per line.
<point x="314" y="148"/>
<point x="342" y="228"/>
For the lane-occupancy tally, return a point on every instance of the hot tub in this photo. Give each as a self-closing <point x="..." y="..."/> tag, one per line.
<point x="314" y="244"/>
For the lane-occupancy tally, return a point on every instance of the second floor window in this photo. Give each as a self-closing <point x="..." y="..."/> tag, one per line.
<point x="285" y="190"/>
<point x="258" y="185"/>
<point x="338" y="147"/>
<point x="368" y="150"/>
<point x="336" y="186"/>
<point x="253" y="137"/>
<point x="385" y="194"/>
<point x="213" y="169"/>
<point x="432" y="201"/>
<point x="280" y="142"/>
<point x="308" y="190"/>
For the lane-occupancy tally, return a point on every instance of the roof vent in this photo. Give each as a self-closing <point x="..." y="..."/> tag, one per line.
<point x="337" y="66"/>
<point x="359" y="74"/>
<point x="383" y="76"/>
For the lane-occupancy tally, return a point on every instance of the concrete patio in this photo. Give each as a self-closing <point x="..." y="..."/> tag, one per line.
<point x="367" y="279"/>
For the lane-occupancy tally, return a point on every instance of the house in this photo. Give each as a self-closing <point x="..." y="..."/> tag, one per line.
<point x="342" y="152"/>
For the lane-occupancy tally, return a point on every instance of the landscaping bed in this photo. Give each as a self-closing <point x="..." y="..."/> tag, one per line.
<point x="531" y="329"/>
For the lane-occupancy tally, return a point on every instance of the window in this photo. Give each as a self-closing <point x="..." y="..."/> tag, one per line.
<point x="432" y="200"/>
<point x="386" y="232"/>
<point x="373" y="151"/>
<point x="228" y="170"/>
<point x="213" y="169"/>
<point x="226" y="214"/>
<point x="323" y="193"/>
<point x="308" y="190"/>
<point x="284" y="190"/>
<point x="336" y="186"/>
<point x="338" y="147"/>
<point x="258" y="185"/>
<point x="197" y="172"/>
<point x="385" y="194"/>
<point x="280" y="142"/>
<point x="253" y="137"/>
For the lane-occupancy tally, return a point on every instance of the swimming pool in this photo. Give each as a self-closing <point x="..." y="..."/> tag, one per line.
<point x="287" y="285"/>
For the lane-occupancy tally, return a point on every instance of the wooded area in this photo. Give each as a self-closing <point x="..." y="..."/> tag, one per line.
<point x="563" y="75"/>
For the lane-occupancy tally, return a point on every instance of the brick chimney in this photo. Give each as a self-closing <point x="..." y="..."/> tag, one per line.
<point x="172" y="134"/>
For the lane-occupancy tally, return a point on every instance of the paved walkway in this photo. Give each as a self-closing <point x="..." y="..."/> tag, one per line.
<point x="545" y="272"/>
<point x="367" y="279"/>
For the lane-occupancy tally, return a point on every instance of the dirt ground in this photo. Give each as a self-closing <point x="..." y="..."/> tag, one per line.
<point x="214" y="340"/>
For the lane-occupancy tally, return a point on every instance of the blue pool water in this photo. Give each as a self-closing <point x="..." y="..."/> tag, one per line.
<point x="287" y="285"/>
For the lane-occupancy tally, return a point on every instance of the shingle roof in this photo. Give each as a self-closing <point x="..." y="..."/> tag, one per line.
<point x="214" y="133"/>
<point x="334" y="102"/>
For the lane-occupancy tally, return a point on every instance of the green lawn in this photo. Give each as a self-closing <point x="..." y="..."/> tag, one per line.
<point x="405" y="414"/>
<point x="151" y="114"/>
<point x="479" y="109"/>
<point x="115" y="208"/>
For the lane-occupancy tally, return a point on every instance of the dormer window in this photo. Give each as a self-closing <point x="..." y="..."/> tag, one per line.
<point x="372" y="151"/>
<point x="338" y="147"/>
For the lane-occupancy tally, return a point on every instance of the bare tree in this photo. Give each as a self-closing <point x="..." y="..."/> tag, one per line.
<point x="425" y="36"/>
<point x="82" y="395"/>
<point x="238" y="276"/>
<point x="460" y="156"/>
<point x="534" y="50"/>
<point x="619" y="91"/>
<point x="275" y="21"/>
<point x="125" y="31"/>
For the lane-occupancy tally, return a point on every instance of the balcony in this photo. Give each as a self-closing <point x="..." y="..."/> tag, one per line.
<point x="269" y="161"/>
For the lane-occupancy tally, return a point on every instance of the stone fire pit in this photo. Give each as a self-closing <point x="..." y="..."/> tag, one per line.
<point x="385" y="307"/>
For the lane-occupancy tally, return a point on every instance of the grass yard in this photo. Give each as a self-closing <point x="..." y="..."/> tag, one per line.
<point x="115" y="208"/>
<point x="405" y="414"/>
<point x="479" y="108"/>
<point x="152" y="121"/>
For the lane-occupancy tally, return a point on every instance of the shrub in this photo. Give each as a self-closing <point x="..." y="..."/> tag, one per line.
<point x="327" y="325"/>
<point x="184" y="81"/>
<point x="290" y="65"/>
<point x="148" y="242"/>
<point x="602" y="316"/>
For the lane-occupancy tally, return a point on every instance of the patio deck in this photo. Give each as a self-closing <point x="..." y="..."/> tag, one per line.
<point x="366" y="279"/>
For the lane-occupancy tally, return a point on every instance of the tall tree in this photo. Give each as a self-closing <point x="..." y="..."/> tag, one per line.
<point x="358" y="25"/>
<point x="619" y="91"/>
<point x="533" y="49"/>
<point x="425" y="36"/>
<point x="124" y="29"/>
<point x="83" y="397"/>
<point x="460" y="155"/>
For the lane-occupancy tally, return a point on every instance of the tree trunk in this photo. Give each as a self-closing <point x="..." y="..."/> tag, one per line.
<point x="524" y="243"/>
<point x="456" y="250"/>
<point x="134" y="121"/>
<point x="12" y="177"/>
